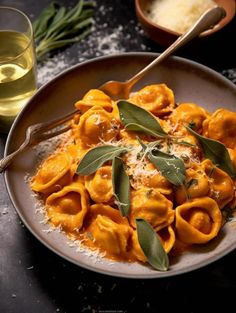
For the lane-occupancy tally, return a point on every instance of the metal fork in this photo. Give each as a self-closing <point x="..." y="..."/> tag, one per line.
<point x="115" y="89"/>
<point x="121" y="90"/>
<point x="37" y="133"/>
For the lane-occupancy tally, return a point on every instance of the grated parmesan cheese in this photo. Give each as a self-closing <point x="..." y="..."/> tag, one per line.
<point x="178" y="15"/>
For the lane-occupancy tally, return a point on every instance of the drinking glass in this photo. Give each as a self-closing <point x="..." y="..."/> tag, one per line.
<point x="17" y="64"/>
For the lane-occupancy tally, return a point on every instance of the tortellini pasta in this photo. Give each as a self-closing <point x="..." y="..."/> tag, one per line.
<point x="197" y="185"/>
<point x="167" y="237"/>
<point x="56" y="172"/>
<point x="153" y="179"/>
<point x="96" y="125"/>
<point x="99" y="185"/>
<point x="92" y="98"/>
<point x="198" y="221"/>
<point x="158" y="99"/>
<point x="109" y="231"/>
<point x="87" y="206"/>
<point x="221" y="125"/>
<point x="232" y="154"/>
<point x="67" y="207"/>
<point x="151" y="205"/>
<point x="220" y="183"/>
<point x="188" y="114"/>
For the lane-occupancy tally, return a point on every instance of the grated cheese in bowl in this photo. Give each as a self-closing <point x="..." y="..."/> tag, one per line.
<point x="177" y="15"/>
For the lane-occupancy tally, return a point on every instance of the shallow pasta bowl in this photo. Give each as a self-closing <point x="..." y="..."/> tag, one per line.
<point x="190" y="81"/>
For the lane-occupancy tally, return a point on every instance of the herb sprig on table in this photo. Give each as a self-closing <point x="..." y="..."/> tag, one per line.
<point x="58" y="26"/>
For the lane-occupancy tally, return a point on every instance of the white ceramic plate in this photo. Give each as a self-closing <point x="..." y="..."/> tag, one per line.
<point x="190" y="82"/>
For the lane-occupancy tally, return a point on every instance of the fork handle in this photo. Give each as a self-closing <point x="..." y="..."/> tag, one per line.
<point x="206" y="21"/>
<point x="5" y="162"/>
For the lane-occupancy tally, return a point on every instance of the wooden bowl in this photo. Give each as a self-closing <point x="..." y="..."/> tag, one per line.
<point x="166" y="36"/>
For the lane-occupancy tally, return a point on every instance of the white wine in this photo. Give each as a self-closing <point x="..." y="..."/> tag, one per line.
<point x="17" y="74"/>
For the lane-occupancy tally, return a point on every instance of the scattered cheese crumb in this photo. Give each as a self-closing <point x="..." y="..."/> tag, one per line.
<point x="30" y="267"/>
<point x="4" y="211"/>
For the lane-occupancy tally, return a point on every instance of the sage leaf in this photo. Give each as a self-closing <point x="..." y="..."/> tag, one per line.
<point x="192" y="182"/>
<point x="67" y="17"/>
<point x="171" y="167"/>
<point x="216" y="152"/>
<point x="121" y="186"/>
<point x="60" y="14"/>
<point x="151" y="245"/>
<point x="96" y="157"/>
<point x="185" y="143"/>
<point x="192" y="125"/>
<point x="143" y="145"/>
<point x="58" y="26"/>
<point x="41" y="24"/>
<point x="137" y="119"/>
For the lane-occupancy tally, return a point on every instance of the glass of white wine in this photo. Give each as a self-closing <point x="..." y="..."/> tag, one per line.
<point x="17" y="64"/>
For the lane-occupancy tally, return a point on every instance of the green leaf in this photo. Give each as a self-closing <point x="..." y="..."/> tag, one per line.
<point x="121" y="186"/>
<point x="191" y="182"/>
<point x="143" y="145"/>
<point x="84" y="24"/>
<point x="68" y="18"/>
<point x="52" y="45"/>
<point x="192" y="125"/>
<point x="171" y="167"/>
<point x="137" y="119"/>
<point x="96" y="157"/>
<point x="216" y="152"/>
<point x="59" y="26"/>
<point x="41" y="24"/>
<point x="57" y="20"/>
<point x="151" y="245"/>
<point x="75" y="12"/>
<point x="185" y="143"/>
<point x="60" y="14"/>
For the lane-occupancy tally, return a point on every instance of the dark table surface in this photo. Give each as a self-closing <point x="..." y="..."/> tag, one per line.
<point x="34" y="279"/>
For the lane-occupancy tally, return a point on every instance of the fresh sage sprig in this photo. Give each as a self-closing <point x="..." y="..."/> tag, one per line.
<point x="96" y="157"/>
<point x="171" y="167"/>
<point x="137" y="119"/>
<point x="121" y="186"/>
<point x="58" y="26"/>
<point x="151" y="245"/>
<point x="216" y="152"/>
